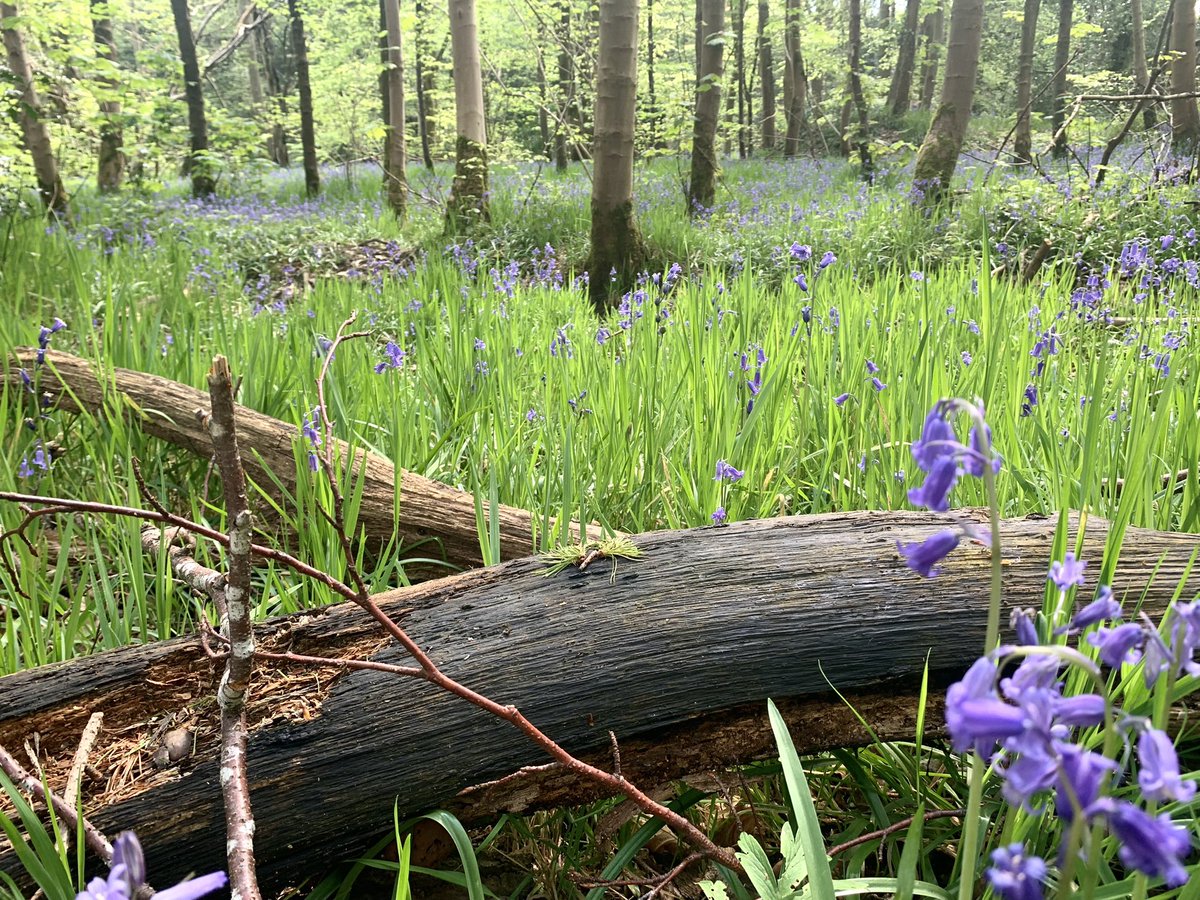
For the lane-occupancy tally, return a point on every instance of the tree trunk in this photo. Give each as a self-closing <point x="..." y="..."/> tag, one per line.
<point x="935" y="25"/>
<point x="277" y="145"/>
<point x="384" y="62"/>
<point x="843" y="612"/>
<point x="906" y="59"/>
<point x="394" y="156"/>
<point x="198" y="164"/>
<point x="424" y="80"/>
<point x="110" y="171"/>
<point x="653" y="118"/>
<point x="568" y="118"/>
<point x="939" y="152"/>
<point x="702" y="185"/>
<point x="468" y="204"/>
<point x="1185" y="116"/>
<point x="766" y="65"/>
<point x="429" y="520"/>
<point x="795" y="80"/>
<point x="859" y="137"/>
<point x="616" y="241"/>
<point x="1062" y="60"/>
<point x="1023" y="136"/>
<point x="739" y="72"/>
<point x="308" y="139"/>
<point x="1141" y="75"/>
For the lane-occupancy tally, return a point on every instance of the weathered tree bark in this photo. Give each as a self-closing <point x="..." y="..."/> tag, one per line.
<point x="766" y="66"/>
<point x="468" y="203"/>
<point x="110" y="169"/>
<point x="277" y="146"/>
<point x="900" y="89"/>
<point x="616" y="241"/>
<point x="675" y="652"/>
<point x="199" y="167"/>
<point x="568" y="118"/>
<point x="33" y="124"/>
<point x="1141" y="74"/>
<point x="1023" y="135"/>
<point x="859" y="136"/>
<point x="795" y="80"/>
<point x="934" y="30"/>
<point x="424" y="79"/>
<point x="395" y="180"/>
<point x="1185" y="115"/>
<point x="1062" y="59"/>
<point x="939" y="152"/>
<point x="702" y="184"/>
<point x="439" y="518"/>
<point x="308" y="138"/>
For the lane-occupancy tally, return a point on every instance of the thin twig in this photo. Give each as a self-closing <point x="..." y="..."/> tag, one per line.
<point x="894" y="827"/>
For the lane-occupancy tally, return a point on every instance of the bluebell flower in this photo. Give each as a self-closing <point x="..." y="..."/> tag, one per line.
<point x="827" y="260"/>
<point x="127" y="875"/>
<point x="937" y="440"/>
<point x="1158" y="776"/>
<point x="1118" y="645"/>
<point x="1103" y="609"/>
<point x="801" y="281"/>
<point x="935" y="492"/>
<point x="1153" y="845"/>
<point x="924" y="557"/>
<point x="479" y="344"/>
<point x="394" y="358"/>
<point x="726" y="472"/>
<point x="1082" y="775"/>
<point x="1022" y="623"/>
<point x="877" y="384"/>
<point x="1068" y="573"/>
<point x="840" y="399"/>
<point x="718" y="515"/>
<point x="801" y="252"/>
<point x="871" y="367"/>
<point x="1014" y="875"/>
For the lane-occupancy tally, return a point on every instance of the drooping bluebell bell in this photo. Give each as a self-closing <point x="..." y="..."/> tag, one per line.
<point x="840" y="399"/>
<point x="935" y="492"/>
<point x="1068" y="573"/>
<point x="924" y="557"/>
<point x="127" y="876"/>
<point x="1119" y="645"/>
<point x="393" y="358"/>
<point x="1158" y="773"/>
<point x="1102" y="609"/>
<point x="1015" y="875"/>
<point x="719" y="515"/>
<point x="726" y="472"/>
<point x="877" y="384"/>
<point x="1154" y="845"/>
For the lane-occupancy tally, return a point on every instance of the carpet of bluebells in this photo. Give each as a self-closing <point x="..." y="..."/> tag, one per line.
<point x="778" y="356"/>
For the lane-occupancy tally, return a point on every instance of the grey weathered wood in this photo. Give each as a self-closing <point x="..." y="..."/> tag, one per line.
<point x="433" y="520"/>
<point x="683" y="646"/>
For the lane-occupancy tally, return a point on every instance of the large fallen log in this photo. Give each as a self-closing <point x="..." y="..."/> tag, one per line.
<point x="674" y="652"/>
<point x="432" y="520"/>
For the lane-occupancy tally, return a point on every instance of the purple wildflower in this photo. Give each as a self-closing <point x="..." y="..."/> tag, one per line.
<point x="1159" y="775"/>
<point x="1068" y="573"/>
<point x="1014" y="875"/>
<point x="924" y="557"/>
<point x="1154" y="846"/>
<point x="935" y="492"/>
<point x="127" y="875"/>
<point x="726" y="472"/>
<point x="719" y="516"/>
<point x="840" y="399"/>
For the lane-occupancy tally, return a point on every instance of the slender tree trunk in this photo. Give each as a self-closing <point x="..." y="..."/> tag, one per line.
<point x="1023" y="136"/>
<point x="111" y="169"/>
<point x="566" y="87"/>
<point x="859" y="136"/>
<point x="278" y="143"/>
<point x="795" y="80"/>
<point x="198" y="166"/>
<point x="935" y="29"/>
<point x="652" y="117"/>
<point x="384" y="62"/>
<point x="739" y="53"/>
<point x="906" y="60"/>
<point x="766" y="65"/>
<point x="699" y="37"/>
<point x="468" y="196"/>
<point x="1185" y="118"/>
<point x="939" y="152"/>
<point x="887" y="12"/>
<point x="616" y="241"/>
<point x="1062" y="59"/>
<point x="543" y="94"/>
<point x="1141" y="75"/>
<point x="394" y="152"/>
<point x="33" y="125"/>
<point x="702" y="185"/>
<point x="424" y="79"/>
<point x="308" y="140"/>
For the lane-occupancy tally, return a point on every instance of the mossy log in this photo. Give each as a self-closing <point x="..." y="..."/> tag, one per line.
<point x="675" y="652"/>
<point x="433" y="520"/>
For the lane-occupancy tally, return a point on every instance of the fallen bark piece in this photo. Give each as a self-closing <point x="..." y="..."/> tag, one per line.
<point x="428" y="510"/>
<point x="675" y="653"/>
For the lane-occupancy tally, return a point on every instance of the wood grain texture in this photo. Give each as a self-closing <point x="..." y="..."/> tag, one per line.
<point x="676" y="654"/>
<point x="433" y="519"/>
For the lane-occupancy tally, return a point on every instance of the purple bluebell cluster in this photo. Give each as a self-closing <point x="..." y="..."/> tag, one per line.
<point x="1024" y="723"/>
<point x="127" y="876"/>
<point x="311" y="430"/>
<point x="44" y="335"/>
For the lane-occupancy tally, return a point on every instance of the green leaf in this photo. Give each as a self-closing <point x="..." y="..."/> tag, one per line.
<point x="910" y="856"/>
<point x="466" y="853"/>
<point x="808" y="827"/>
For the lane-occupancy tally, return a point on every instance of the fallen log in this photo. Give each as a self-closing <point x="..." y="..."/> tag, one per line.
<point x="428" y="510"/>
<point x="674" y="652"/>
